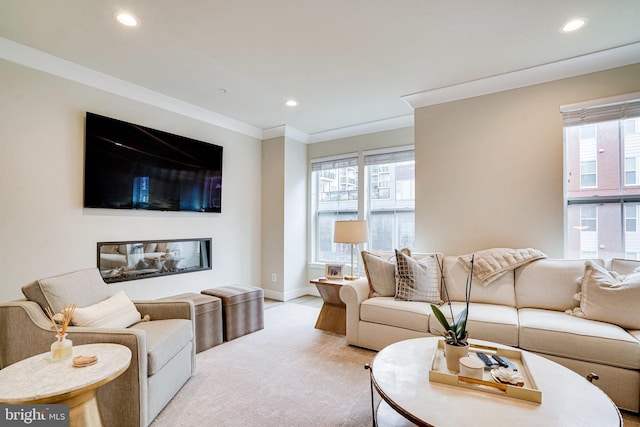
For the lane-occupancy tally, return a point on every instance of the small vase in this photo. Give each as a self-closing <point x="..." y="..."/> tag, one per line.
<point x="453" y="353"/>
<point x="61" y="348"/>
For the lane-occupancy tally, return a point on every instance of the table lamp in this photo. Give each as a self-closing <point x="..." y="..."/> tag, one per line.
<point x="352" y="232"/>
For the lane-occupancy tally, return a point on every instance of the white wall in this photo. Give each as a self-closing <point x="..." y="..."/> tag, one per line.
<point x="284" y="207"/>
<point x="273" y="197"/>
<point x="44" y="229"/>
<point x="295" y="211"/>
<point x="489" y="169"/>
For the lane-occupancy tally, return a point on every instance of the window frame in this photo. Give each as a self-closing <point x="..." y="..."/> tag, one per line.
<point x="617" y="109"/>
<point x="362" y="191"/>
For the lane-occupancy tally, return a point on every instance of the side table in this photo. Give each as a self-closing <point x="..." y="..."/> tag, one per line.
<point x="40" y="380"/>
<point x="333" y="314"/>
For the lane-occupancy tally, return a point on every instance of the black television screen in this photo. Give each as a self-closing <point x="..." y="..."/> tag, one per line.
<point x="128" y="166"/>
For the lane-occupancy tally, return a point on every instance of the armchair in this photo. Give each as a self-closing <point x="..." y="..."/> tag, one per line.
<point x="163" y="349"/>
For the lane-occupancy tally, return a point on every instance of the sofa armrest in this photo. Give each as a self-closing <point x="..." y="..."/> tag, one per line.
<point x="25" y="331"/>
<point x="167" y="309"/>
<point x="353" y="294"/>
<point x="172" y="309"/>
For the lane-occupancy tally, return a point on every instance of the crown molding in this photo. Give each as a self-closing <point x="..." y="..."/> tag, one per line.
<point x="362" y="129"/>
<point x="286" y="131"/>
<point x="580" y="65"/>
<point x="38" y="60"/>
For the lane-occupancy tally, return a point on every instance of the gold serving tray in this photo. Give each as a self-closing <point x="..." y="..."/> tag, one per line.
<point x="440" y="374"/>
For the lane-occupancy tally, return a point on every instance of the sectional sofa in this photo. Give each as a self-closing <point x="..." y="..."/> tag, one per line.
<point x="537" y="306"/>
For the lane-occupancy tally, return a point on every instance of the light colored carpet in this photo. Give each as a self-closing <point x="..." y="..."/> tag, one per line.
<point x="288" y="374"/>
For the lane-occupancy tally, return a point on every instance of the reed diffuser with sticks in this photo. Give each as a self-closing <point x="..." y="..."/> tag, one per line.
<point x="62" y="347"/>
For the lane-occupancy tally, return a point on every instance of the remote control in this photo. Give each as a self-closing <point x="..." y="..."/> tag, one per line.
<point x="500" y="361"/>
<point x="489" y="363"/>
<point x="509" y="363"/>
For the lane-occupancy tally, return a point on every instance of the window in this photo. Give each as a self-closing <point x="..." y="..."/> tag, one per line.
<point x="390" y="201"/>
<point x="630" y="171"/>
<point x="630" y="217"/>
<point x="334" y="197"/>
<point x="602" y="186"/>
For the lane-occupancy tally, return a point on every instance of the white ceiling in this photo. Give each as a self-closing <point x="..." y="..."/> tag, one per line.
<point x="347" y="62"/>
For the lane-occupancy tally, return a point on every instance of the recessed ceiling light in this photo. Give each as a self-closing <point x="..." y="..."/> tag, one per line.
<point x="291" y="103"/>
<point x="573" y="25"/>
<point x="127" y="19"/>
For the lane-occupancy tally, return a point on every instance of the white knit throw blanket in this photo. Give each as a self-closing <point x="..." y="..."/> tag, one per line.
<point x="489" y="264"/>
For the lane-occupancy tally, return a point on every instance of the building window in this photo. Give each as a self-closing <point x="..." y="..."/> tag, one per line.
<point x="334" y="197"/>
<point x="631" y="217"/>
<point x="602" y="190"/>
<point x="588" y="160"/>
<point x="390" y="202"/>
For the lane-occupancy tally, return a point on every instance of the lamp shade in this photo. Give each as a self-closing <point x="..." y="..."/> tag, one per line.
<point x="353" y="232"/>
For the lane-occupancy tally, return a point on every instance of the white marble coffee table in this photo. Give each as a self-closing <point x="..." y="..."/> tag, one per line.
<point x="400" y="374"/>
<point x="38" y="379"/>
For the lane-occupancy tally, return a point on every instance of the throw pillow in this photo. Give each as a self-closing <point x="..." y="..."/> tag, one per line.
<point x="417" y="280"/>
<point x="115" y="312"/>
<point x="609" y="297"/>
<point x="380" y="269"/>
<point x="83" y="287"/>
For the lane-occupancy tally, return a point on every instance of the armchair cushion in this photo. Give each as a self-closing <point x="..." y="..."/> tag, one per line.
<point x="115" y="312"/>
<point x="83" y="287"/>
<point x="165" y="339"/>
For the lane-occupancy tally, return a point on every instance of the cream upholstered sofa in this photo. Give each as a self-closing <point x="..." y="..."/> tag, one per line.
<point x="526" y="307"/>
<point x="163" y="349"/>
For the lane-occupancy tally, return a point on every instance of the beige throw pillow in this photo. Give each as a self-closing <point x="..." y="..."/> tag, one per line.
<point x="115" y="312"/>
<point x="609" y="297"/>
<point x="417" y="279"/>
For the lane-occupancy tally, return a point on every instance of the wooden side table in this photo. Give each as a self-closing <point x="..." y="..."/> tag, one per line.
<point x="333" y="314"/>
<point x="40" y="380"/>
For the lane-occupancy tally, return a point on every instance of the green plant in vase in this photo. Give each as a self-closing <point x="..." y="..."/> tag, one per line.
<point x="455" y="333"/>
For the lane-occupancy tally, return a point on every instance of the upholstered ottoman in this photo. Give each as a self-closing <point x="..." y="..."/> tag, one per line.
<point x="208" y="319"/>
<point x="242" y="309"/>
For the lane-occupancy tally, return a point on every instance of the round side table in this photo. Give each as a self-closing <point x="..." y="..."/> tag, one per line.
<point x="38" y="379"/>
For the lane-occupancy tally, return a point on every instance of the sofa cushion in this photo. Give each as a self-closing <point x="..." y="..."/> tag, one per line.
<point x="411" y="315"/>
<point x="165" y="339"/>
<point x="623" y="266"/>
<point x="115" y="312"/>
<point x="83" y="287"/>
<point x="557" y="333"/>
<point x="549" y="283"/>
<point x="490" y="322"/>
<point x="609" y="297"/>
<point x="500" y="291"/>
<point x="417" y="279"/>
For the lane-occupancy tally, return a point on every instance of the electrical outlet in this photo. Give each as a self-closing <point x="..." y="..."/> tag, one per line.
<point x="274" y="278"/>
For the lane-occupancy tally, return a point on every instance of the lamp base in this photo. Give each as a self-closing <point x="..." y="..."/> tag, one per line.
<point x="351" y="277"/>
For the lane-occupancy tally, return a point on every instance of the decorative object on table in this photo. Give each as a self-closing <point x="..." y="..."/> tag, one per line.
<point x="82" y="361"/>
<point x="507" y="376"/>
<point x="471" y="367"/>
<point x="351" y="232"/>
<point x="455" y="333"/>
<point x="521" y="383"/>
<point x="62" y="347"/>
<point x="334" y="271"/>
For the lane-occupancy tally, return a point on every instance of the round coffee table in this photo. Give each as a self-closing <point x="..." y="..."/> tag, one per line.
<point x="400" y="375"/>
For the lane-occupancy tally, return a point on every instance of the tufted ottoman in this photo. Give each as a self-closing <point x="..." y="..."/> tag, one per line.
<point x="208" y="319"/>
<point x="242" y="309"/>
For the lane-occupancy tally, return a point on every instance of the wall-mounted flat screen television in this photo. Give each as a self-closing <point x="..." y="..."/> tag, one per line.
<point x="128" y="166"/>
